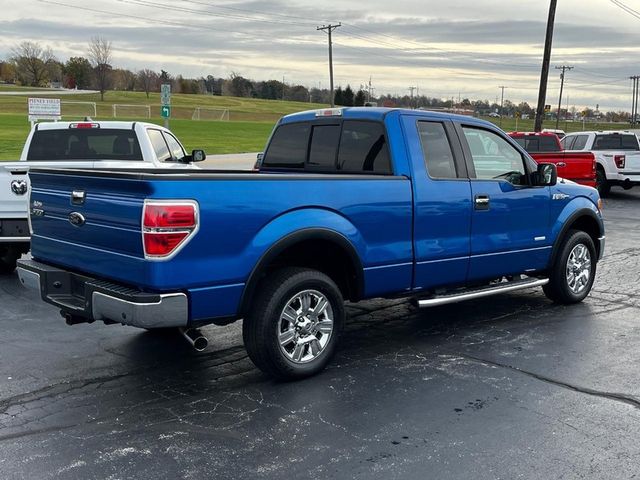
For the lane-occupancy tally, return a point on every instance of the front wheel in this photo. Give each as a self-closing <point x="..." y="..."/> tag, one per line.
<point x="294" y="323"/>
<point x="574" y="270"/>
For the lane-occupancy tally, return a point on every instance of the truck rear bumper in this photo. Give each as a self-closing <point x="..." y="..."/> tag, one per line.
<point x="14" y="231"/>
<point x="82" y="297"/>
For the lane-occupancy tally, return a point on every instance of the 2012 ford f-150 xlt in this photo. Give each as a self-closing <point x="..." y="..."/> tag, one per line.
<point x="348" y="204"/>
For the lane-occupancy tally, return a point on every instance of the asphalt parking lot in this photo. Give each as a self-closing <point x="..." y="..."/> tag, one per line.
<point x="510" y="387"/>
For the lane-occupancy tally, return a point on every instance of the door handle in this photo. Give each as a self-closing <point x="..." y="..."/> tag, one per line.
<point x="481" y="202"/>
<point x="562" y="164"/>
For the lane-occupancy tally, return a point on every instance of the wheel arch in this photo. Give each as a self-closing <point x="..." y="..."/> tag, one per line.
<point x="323" y="249"/>
<point x="585" y="220"/>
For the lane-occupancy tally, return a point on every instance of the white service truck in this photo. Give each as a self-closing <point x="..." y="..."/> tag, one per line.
<point x="84" y="144"/>
<point x="617" y="156"/>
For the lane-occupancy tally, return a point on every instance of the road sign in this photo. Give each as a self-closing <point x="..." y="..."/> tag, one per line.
<point x="44" y="109"/>
<point x="165" y="111"/>
<point x="547" y="108"/>
<point x="165" y="94"/>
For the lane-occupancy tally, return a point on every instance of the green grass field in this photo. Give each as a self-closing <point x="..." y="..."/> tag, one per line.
<point x="251" y="120"/>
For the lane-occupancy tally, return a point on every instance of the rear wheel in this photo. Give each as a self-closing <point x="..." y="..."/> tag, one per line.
<point x="294" y="323"/>
<point x="573" y="273"/>
<point x="9" y="255"/>
<point x="603" y="186"/>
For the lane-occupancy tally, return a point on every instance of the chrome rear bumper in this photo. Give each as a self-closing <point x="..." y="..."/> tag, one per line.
<point x="85" y="297"/>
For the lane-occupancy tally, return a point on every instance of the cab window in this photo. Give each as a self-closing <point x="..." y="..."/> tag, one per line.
<point x="160" y="147"/>
<point x="177" y="152"/>
<point x="493" y="157"/>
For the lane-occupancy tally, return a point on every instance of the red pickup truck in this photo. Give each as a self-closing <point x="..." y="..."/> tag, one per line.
<point x="545" y="147"/>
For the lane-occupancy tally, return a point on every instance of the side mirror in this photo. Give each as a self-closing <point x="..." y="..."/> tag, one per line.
<point x="198" y="156"/>
<point x="546" y="175"/>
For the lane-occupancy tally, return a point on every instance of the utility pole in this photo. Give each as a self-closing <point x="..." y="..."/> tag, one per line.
<point x="634" y="99"/>
<point x="544" y="76"/>
<point x="283" y="87"/>
<point x="328" y="29"/>
<point x="563" y="68"/>
<point x="501" y="87"/>
<point x="411" y="89"/>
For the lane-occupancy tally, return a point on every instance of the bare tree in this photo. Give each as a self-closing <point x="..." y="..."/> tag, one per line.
<point x="100" y="55"/>
<point x="148" y="80"/>
<point x="30" y="61"/>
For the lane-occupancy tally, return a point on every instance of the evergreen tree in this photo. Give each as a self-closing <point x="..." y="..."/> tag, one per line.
<point x="338" y="96"/>
<point x="347" y="97"/>
<point x="360" y="98"/>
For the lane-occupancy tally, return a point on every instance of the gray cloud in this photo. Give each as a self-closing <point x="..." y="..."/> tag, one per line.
<point x="462" y="46"/>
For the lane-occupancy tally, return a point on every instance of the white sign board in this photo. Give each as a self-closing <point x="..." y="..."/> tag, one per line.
<point x="44" y="109"/>
<point x="165" y="94"/>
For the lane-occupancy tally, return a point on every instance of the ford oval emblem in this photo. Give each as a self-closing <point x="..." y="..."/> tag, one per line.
<point x="76" y="219"/>
<point x="19" y="187"/>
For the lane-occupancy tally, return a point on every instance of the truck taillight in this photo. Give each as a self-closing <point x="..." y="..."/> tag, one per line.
<point x="619" y="159"/>
<point x="167" y="226"/>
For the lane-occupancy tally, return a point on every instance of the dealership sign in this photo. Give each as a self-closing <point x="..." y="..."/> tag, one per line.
<point x="44" y="109"/>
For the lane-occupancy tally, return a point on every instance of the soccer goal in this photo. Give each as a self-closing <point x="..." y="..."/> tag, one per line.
<point x="206" y="113"/>
<point x="71" y="108"/>
<point x="131" y="111"/>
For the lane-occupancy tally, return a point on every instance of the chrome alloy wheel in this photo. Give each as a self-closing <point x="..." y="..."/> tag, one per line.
<point x="305" y="326"/>
<point x="578" y="268"/>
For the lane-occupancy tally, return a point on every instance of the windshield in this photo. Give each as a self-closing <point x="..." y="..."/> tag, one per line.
<point x="84" y="144"/>
<point x="615" y="141"/>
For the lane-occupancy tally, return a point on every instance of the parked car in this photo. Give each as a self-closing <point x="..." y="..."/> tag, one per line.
<point x="494" y="115"/>
<point x="617" y="156"/>
<point x="349" y="203"/>
<point x="579" y="167"/>
<point x="86" y="144"/>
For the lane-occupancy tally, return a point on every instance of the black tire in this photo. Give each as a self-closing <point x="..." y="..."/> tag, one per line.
<point x="262" y="324"/>
<point x="603" y="186"/>
<point x="9" y="255"/>
<point x="558" y="289"/>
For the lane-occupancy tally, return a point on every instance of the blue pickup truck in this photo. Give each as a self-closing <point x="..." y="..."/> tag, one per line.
<point x="347" y="204"/>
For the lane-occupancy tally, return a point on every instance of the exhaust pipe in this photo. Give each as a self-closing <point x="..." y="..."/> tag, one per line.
<point x="198" y="341"/>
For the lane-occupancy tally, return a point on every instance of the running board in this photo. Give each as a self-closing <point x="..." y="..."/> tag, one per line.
<point x="482" y="292"/>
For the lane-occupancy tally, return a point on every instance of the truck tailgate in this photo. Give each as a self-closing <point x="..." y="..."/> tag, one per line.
<point x="111" y="210"/>
<point x="13" y="187"/>
<point x="579" y="167"/>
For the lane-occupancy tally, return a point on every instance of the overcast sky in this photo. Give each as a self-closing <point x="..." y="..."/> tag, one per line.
<point x="445" y="48"/>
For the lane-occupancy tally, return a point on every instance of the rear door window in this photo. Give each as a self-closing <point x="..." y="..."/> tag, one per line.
<point x="84" y="144"/>
<point x="580" y="142"/>
<point x="438" y="156"/>
<point x="363" y="148"/>
<point x="288" y="146"/>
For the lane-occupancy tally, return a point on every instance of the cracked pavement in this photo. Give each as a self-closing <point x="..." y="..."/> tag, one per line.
<point x="507" y="387"/>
